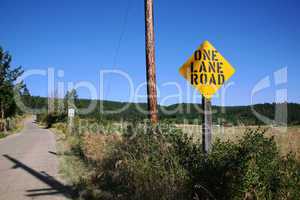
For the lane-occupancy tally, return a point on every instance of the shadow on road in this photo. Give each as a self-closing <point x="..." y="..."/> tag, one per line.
<point x="54" y="153"/>
<point x="55" y="186"/>
<point x="61" y="154"/>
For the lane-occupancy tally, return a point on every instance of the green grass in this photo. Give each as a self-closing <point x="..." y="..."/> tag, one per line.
<point x="2" y="135"/>
<point x="72" y="169"/>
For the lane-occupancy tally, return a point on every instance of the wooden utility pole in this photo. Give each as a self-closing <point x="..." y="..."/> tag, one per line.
<point x="206" y="124"/>
<point x="150" y="62"/>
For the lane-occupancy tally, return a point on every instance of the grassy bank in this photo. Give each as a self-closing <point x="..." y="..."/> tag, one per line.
<point x="162" y="162"/>
<point x="13" y="125"/>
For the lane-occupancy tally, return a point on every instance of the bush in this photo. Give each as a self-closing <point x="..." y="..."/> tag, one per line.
<point x="10" y="124"/>
<point x="260" y="162"/>
<point x="50" y="118"/>
<point x="214" y="176"/>
<point x="249" y="169"/>
<point x="61" y="127"/>
<point x="142" y="165"/>
<point x="97" y="146"/>
<point x="290" y="178"/>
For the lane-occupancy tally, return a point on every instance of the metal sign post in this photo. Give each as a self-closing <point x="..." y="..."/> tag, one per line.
<point x="206" y="124"/>
<point x="71" y="115"/>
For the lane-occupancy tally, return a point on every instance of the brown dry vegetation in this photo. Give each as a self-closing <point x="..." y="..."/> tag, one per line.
<point x="97" y="146"/>
<point x="14" y="125"/>
<point x="287" y="138"/>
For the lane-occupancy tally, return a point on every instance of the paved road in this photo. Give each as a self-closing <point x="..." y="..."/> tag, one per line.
<point x="29" y="166"/>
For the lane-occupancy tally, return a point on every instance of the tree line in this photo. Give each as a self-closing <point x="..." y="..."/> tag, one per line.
<point x="181" y="113"/>
<point x="9" y="88"/>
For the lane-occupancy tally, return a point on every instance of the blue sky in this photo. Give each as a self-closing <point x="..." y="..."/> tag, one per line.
<point x="81" y="38"/>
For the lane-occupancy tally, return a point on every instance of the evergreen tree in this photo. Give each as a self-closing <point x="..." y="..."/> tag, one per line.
<point x="8" y="77"/>
<point x="71" y="99"/>
<point x="26" y="97"/>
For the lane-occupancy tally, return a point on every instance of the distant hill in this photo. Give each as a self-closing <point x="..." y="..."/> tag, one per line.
<point x="185" y="112"/>
<point x="240" y="114"/>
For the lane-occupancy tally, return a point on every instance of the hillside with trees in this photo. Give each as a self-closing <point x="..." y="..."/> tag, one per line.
<point x="183" y="113"/>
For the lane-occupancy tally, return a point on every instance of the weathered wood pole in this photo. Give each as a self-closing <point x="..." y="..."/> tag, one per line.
<point x="150" y="62"/>
<point x="206" y="124"/>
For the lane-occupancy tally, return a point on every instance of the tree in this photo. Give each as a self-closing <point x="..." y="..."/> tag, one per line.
<point x="26" y="92"/>
<point x="71" y="99"/>
<point x="8" y="77"/>
<point x="26" y="97"/>
<point x="58" y="103"/>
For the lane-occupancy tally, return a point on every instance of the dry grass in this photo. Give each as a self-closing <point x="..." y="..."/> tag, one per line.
<point x="96" y="146"/>
<point x="16" y="124"/>
<point x="287" y="138"/>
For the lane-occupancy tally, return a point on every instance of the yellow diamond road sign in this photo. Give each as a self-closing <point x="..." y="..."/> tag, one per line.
<point x="207" y="70"/>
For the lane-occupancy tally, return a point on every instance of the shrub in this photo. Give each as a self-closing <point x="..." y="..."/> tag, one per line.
<point x="260" y="163"/>
<point x="249" y="169"/>
<point x="76" y="145"/>
<point x="97" y="146"/>
<point x="10" y="124"/>
<point x="290" y="178"/>
<point x="143" y="166"/>
<point x="214" y="176"/>
<point x="61" y="127"/>
<point x="50" y="118"/>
